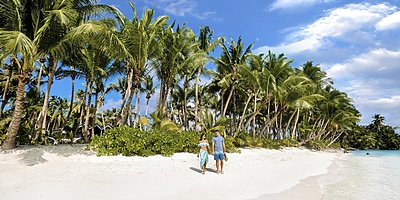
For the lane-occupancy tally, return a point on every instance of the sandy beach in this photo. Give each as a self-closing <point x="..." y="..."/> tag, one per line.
<point x="66" y="172"/>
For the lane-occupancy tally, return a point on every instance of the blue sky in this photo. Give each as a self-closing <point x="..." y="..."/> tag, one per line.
<point x="356" y="42"/>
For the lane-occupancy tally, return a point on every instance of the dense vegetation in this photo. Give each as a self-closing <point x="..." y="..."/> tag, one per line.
<point x="262" y="96"/>
<point x="130" y="141"/>
<point x="376" y="135"/>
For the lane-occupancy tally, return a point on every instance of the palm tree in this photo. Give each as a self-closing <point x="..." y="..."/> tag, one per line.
<point x="206" y="45"/>
<point x="175" y="56"/>
<point x="149" y="88"/>
<point x="30" y="29"/>
<point x="228" y="65"/>
<point x="377" y="122"/>
<point x="139" y="37"/>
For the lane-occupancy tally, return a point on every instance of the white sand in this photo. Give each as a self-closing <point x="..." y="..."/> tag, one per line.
<point x="70" y="173"/>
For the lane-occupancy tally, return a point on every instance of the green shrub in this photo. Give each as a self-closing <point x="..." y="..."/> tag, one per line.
<point x="128" y="141"/>
<point x="288" y="143"/>
<point x="318" y="144"/>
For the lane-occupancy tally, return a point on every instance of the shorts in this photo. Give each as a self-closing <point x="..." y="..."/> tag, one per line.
<point x="219" y="155"/>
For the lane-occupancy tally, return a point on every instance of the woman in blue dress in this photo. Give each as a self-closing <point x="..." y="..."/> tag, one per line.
<point x="203" y="152"/>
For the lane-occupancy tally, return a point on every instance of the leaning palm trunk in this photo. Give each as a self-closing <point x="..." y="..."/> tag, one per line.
<point x="94" y="113"/>
<point x="227" y="100"/>
<point x="3" y="101"/>
<point x="334" y="140"/>
<point x="127" y="94"/>
<point x="43" y="116"/>
<point x="127" y="110"/>
<point x="163" y="97"/>
<point x="102" y="118"/>
<point x="197" y="117"/>
<point x="72" y="93"/>
<point x="147" y="105"/>
<point x="290" y="120"/>
<point x="295" y="124"/>
<point x="137" y="108"/>
<point x="255" y="109"/>
<point x="87" y="116"/>
<point x="9" y="142"/>
<point x="39" y="78"/>
<point x="185" y="118"/>
<point x="244" y="112"/>
<point x="83" y="107"/>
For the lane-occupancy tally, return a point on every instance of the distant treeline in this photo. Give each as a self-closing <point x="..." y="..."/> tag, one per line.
<point x="376" y="135"/>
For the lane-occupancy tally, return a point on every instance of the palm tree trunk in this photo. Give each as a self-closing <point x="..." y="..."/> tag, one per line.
<point x="102" y="113"/>
<point x="43" y="117"/>
<point x="171" y="113"/>
<point x="290" y="121"/>
<point x="160" y="98"/>
<point x="147" y="105"/>
<point x="295" y="123"/>
<point x="127" y="94"/>
<point x="227" y="101"/>
<point x="196" y="100"/>
<point x="137" y="109"/>
<point x="255" y="110"/>
<point x="334" y="140"/>
<point x="83" y="107"/>
<point x="128" y="108"/>
<point x="87" y="116"/>
<point x="185" y="118"/>
<point x="39" y="78"/>
<point x="72" y="93"/>
<point x="9" y="142"/>
<point x="244" y="112"/>
<point x="94" y="113"/>
<point x="3" y="100"/>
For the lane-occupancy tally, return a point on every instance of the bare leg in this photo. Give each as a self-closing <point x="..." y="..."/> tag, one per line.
<point x="217" y="163"/>
<point x="222" y="166"/>
<point x="204" y="169"/>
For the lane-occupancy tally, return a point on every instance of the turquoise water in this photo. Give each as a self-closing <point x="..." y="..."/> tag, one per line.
<point x="365" y="177"/>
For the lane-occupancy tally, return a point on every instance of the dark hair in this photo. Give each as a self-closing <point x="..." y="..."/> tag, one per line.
<point x="202" y="135"/>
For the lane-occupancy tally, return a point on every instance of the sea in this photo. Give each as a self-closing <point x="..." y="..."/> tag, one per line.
<point x="364" y="175"/>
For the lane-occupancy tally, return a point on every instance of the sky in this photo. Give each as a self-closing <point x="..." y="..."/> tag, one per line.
<point x="356" y="42"/>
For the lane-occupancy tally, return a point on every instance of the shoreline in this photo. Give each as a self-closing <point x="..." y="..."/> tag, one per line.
<point x="310" y="188"/>
<point x="50" y="172"/>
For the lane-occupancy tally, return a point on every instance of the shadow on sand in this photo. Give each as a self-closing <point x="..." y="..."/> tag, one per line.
<point x="199" y="170"/>
<point x="33" y="155"/>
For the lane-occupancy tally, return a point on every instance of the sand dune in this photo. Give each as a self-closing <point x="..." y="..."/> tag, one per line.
<point x="66" y="172"/>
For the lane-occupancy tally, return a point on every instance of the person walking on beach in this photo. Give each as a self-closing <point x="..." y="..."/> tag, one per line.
<point x="218" y="149"/>
<point x="203" y="152"/>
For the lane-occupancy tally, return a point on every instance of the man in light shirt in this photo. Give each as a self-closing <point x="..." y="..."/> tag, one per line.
<point x="219" y="151"/>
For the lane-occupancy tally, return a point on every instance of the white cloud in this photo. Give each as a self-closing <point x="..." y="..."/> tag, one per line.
<point x="285" y="4"/>
<point x="390" y="22"/>
<point x="371" y="79"/>
<point x="111" y="103"/>
<point x="389" y="103"/>
<point x="348" y="23"/>
<point x="376" y="64"/>
<point x="181" y="8"/>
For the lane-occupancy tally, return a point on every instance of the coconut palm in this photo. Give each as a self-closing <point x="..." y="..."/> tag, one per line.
<point x="206" y="45"/>
<point x="228" y="65"/>
<point x="149" y="88"/>
<point x="175" y="56"/>
<point x="140" y="39"/>
<point x="30" y="29"/>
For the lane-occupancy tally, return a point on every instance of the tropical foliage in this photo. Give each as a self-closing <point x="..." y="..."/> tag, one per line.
<point x="376" y="135"/>
<point x="256" y="100"/>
